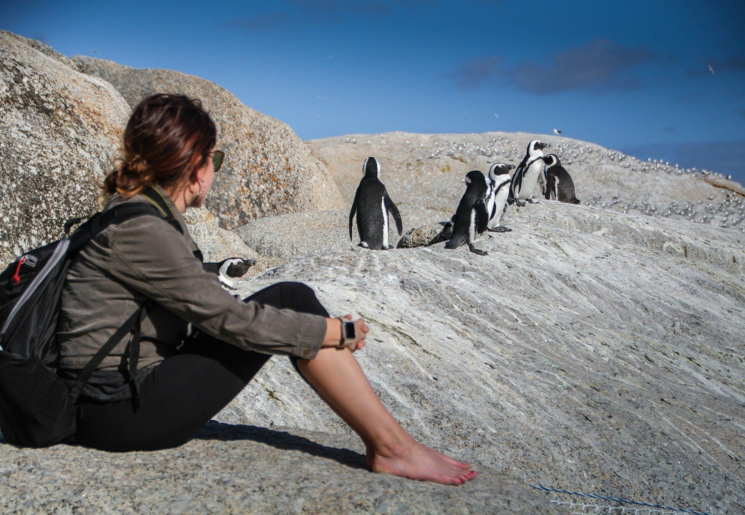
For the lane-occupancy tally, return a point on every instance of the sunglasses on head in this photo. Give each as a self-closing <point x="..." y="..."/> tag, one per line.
<point x="217" y="158"/>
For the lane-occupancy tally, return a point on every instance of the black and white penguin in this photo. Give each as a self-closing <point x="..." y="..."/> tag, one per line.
<point x="471" y="217"/>
<point x="230" y="270"/>
<point x="372" y="205"/>
<point x="559" y="184"/>
<point x="528" y="173"/>
<point x="496" y="204"/>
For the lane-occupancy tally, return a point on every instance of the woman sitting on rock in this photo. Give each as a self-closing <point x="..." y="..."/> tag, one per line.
<point x="200" y="347"/>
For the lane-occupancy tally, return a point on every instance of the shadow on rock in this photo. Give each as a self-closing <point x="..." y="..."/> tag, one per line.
<point x="214" y="430"/>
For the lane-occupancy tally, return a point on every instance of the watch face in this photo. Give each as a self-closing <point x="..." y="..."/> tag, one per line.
<point x="349" y="331"/>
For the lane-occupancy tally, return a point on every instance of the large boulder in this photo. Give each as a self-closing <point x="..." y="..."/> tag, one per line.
<point x="268" y="170"/>
<point x="591" y="351"/>
<point x="58" y="131"/>
<point x="424" y="175"/>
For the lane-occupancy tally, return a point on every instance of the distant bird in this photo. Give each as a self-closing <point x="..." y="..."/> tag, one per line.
<point x="321" y="98"/>
<point x="711" y="68"/>
<point x="495" y="114"/>
<point x="95" y="51"/>
<point x="330" y="57"/>
<point x="372" y="205"/>
<point x="557" y="131"/>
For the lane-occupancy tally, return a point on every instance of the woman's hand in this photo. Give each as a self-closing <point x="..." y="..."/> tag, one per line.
<point x="334" y="333"/>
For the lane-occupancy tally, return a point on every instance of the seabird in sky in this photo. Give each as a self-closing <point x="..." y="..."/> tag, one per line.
<point x="711" y="68"/>
<point x="557" y="131"/>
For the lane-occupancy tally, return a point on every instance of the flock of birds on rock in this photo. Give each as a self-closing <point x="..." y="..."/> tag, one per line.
<point x="725" y="209"/>
<point x="481" y="207"/>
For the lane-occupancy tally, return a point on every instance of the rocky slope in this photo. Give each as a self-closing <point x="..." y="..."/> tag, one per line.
<point x="591" y="350"/>
<point x="424" y="175"/>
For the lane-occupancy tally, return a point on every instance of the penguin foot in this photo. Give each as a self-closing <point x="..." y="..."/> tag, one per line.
<point x="530" y="200"/>
<point x="477" y="251"/>
<point x="519" y="204"/>
<point x="500" y="228"/>
<point x="364" y="245"/>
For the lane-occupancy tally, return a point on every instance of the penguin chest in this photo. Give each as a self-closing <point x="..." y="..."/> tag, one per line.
<point x="530" y="179"/>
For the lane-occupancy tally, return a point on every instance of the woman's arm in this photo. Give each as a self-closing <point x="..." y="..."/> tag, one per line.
<point x="334" y="331"/>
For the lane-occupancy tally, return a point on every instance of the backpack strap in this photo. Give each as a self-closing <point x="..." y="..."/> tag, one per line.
<point x="156" y="198"/>
<point x="132" y="323"/>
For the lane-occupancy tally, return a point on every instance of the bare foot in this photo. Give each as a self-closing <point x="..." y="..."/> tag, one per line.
<point x="416" y="461"/>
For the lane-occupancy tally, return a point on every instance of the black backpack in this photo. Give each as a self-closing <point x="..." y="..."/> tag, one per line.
<point x="36" y="407"/>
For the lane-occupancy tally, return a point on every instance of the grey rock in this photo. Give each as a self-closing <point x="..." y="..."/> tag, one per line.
<point x="591" y="350"/>
<point x="267" y="171"/>
<point x="58" y="131"/>
<point x="293" y="235"/>
<point x="215" y="243"/>
<point x="230" y="469"/>
<point x="419" y="236"/>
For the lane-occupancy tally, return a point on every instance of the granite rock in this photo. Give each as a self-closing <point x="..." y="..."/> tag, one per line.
<point x="591" y="350"/>
<point x="235" y="469"/>
<point x="322" y="233"/>
<point x="267" y="171"/>
<point x="58" y="131"/>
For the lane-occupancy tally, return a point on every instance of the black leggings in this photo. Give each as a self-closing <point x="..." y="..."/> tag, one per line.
<point x="186" y="390"/>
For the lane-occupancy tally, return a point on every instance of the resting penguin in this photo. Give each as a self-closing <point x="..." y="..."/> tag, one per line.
<point x="471" y="217"/>
<point x="229" y="270"/>
<point x="372" y="205"/>
<point x="559" y="184"/>
<point x="496" y="205"/>
<point x="528" y="172"/>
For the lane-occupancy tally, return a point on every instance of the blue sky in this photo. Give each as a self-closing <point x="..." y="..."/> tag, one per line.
<point x="630" y="75"/>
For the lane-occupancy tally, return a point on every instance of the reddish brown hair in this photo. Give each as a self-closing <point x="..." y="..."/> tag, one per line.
<point x="166" y="141"/>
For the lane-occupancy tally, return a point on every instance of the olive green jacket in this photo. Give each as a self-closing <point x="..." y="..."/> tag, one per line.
<point x="147" y="258"/>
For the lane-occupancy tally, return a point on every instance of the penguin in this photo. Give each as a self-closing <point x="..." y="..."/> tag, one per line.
<point x="471" y="217"/>
<point x="528" y="172"/>
<point x="496" y="205"/>
<point x="372" y="206"/>
<point x="559" y="184"/>
<point x="229" y="270"/>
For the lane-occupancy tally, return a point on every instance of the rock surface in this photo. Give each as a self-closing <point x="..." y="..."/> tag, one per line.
<point x="293" y="235"/>
<point x="424" y="175"/>
<point x="241" y="469"/>
<point x="591" y="350"/>
<point x="58" y="131"/>
<point x="267" y="171"/>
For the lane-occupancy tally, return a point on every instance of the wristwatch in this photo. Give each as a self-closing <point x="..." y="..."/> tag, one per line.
<point x="348" y="333"/>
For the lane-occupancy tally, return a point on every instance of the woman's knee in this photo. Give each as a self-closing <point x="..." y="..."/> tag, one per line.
<point x="301" y="297"/>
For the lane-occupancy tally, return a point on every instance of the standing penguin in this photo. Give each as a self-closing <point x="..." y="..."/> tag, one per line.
<point x="496" y="205"/>
<point x="559" y="184"/>
<point x="528" y="172"/>
<point x="372" y="205"/>
<point x="471" y="217"/>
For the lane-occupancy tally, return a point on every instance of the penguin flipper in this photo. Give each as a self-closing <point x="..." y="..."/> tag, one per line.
<point x="482" y="217"/>
<point x="351" y="216"/>
<point x="392" y="209"/>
